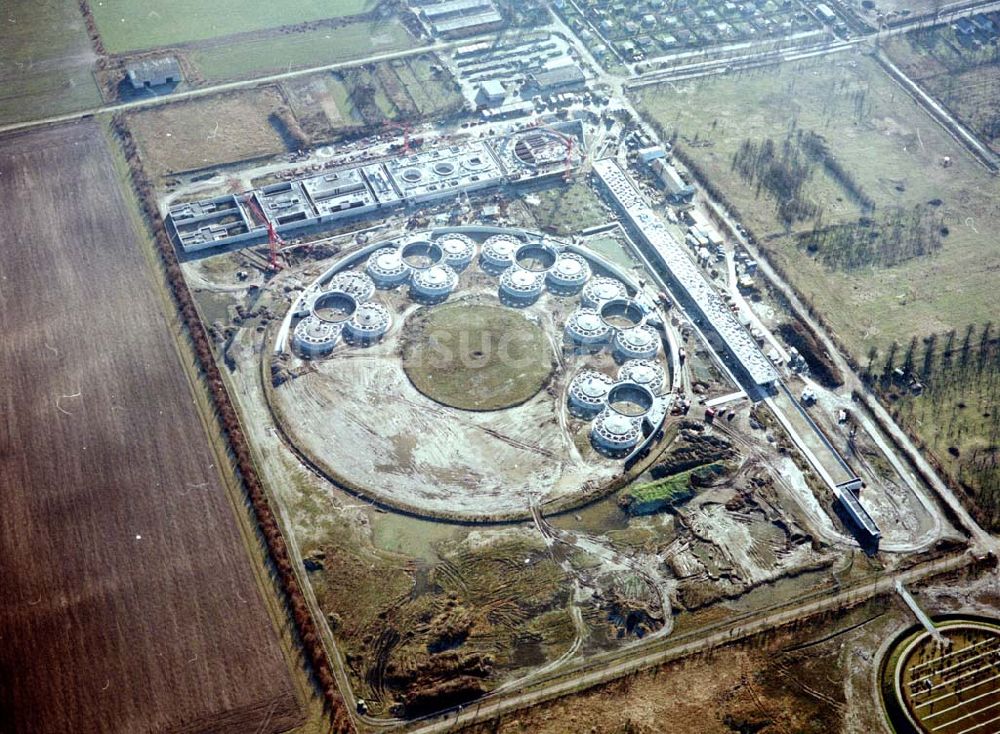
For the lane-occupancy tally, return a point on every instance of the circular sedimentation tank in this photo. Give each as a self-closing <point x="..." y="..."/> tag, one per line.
<point x="621" y="313"/>
<point x="334" y="306"/>
<point x="536" y="257"/>
<point x="631" y="399"/>
<point x="420" y="254"/>
<point x="943" y="682"/>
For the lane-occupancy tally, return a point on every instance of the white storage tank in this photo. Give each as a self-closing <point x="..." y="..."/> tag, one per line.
<point x="497" y="253"/>
<point x="639" y="342"/>
<point x="586" y="327"/>
<point x="602" y="289"/>
<point x="433" y="284"/>
<point x="369" y="323"/>
<point x="569" y="274"/>
<point x="588" y="393"/>
<point x="314" y="337"/>
<point x="458" y="250"/>
<point x="644" y="372"/>
<point x="519" y="286"/>
<point x="386" y="268"/>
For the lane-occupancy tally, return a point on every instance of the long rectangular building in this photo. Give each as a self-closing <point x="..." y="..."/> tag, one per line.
<point x="670" y="254"/>
<point x="433" y="173"/>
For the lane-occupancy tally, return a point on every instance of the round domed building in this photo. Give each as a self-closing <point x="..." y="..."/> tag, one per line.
<point x="644" y="372"/>
<point x="520" y="287"/>
<point x="569" y="274"/>
<point x="386" y="268"/>
<point x="368" y="324"/>
<point x="638" y="342"/>
<point x="433" y="284"/>
<point x="588" y="393"/>
<point x="602" y="289"/>
<point x="353" y="282"/>
<point x="458" y="250"/>
<point x="586" y="328"/>
<point x="497" y="253"/>
<point x="615" y="434"/>
<point x="314" y="337"/>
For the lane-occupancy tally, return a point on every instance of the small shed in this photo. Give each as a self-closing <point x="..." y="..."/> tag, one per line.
<point x="154" y="72"/>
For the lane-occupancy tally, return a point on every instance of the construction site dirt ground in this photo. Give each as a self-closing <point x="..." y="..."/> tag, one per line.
<point x="819" y="676"/>
<point x="494" y="606"/>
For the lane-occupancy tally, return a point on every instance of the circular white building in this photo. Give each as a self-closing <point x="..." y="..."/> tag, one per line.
<point x="497" y="253"/>
<point x="520" y="286"/>
<point x="614" y="433"/>
<point x="314" y="337"/>
<point x="354" y="282"/>
<point x="569" y="274"/>
<point x="434" y="283"/>
<point x="386" y="268"/>
<point x="602" y="289"/>
<point x="458" y="250"/>
<point x="586" y="327"/>
<point x="368" y="324"/>
<point x="639" y="342"/>
<point x="588" y="393"/>
<point x="644" y="372"/>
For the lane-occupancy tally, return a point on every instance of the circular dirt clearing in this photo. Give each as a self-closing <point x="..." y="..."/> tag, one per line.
<point x="476" y="357"/>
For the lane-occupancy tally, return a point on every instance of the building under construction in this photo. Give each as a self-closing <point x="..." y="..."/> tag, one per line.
<point x="431" y="174"/>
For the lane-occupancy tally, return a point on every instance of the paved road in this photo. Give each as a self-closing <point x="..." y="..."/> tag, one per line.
<point x="231" y="86"/>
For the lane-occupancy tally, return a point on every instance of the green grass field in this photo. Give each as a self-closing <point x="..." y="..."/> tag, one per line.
<point x="568" y="209"/>
<point x="296" y="50"/>
<point x="893" y="151"/>
<point x="46" y="60"/>
<point x="129" y="25"/>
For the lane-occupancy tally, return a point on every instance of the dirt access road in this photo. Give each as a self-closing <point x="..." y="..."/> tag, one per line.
<point x="127" y="598"/>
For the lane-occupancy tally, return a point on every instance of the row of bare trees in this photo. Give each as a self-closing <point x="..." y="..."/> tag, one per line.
<point x="308" y="631"/>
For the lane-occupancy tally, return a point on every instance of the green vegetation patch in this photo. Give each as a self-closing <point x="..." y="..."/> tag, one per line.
<point x="289" y="51"/>
<point x="947" y="392"/>
<point x="565" y="210"/>
<point x="669" y="492"/>
<point x="477" y="357"/>
<point x="870" y="153"/>
<point x="128" y="25"/>
<point x="46" y="61"/>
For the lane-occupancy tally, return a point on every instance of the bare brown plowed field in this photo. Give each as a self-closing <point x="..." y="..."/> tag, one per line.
<point x="127" y="599"/>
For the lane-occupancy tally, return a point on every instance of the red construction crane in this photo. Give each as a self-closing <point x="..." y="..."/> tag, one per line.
<point x="405" y="127"/>
<point x="569" y="157"/>
<point x="273" y="238"/>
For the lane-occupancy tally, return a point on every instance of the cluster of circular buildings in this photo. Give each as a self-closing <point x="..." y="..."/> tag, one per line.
<point x="340" y="306"/>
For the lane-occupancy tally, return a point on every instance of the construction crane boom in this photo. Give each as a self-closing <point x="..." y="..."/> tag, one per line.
<point x="273" y="238"/>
